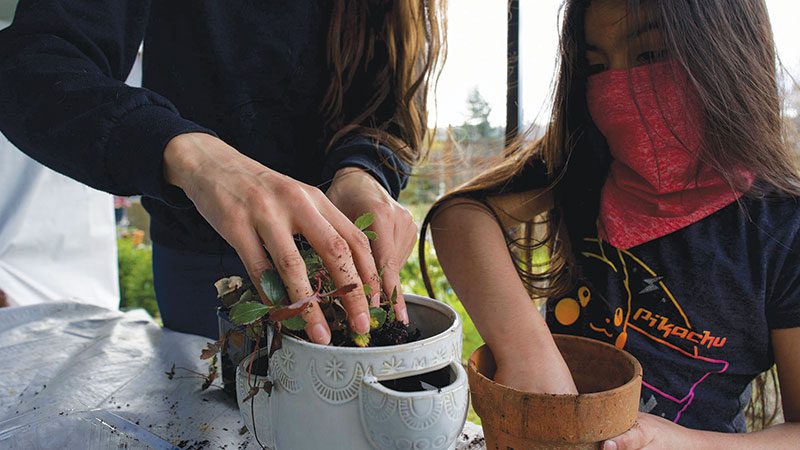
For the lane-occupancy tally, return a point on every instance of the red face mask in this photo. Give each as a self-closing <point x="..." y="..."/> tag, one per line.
<point x="653" y="122"/>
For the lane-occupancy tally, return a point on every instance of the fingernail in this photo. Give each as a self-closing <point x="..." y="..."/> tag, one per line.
<point x="361" y="323"/>
<point x="319" y="334"/>
<point x="610" y="445"/>
<point x="402" y="314"/>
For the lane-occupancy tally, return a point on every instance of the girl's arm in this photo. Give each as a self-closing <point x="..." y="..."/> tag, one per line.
<point x="473" y="253"/>
<point x="656" y="433"/>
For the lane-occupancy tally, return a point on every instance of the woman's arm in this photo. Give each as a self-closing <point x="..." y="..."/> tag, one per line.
<point x="656" y="433"/>
<point x="64" y="103"/>
<point x="473" y="253"/>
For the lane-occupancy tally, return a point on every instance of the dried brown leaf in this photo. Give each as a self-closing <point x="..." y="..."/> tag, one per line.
<point x="171" y="373"/>
<point x="212" y="348"/>
<point x="209" y="379"/>
<point x="253" y="391"/>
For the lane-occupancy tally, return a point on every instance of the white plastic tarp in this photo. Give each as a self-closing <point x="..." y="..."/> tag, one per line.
<point x="81" y="377"/>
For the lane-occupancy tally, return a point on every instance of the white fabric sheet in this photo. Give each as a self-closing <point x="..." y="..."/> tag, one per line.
<point x="57" y="236"/>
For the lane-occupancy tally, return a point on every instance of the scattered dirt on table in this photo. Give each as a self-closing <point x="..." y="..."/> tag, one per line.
<point x="193" y="445"/>
<point x="477" y="441"/>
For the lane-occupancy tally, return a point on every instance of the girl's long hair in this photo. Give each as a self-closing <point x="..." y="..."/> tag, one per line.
<point x="727" y="49"/>
<point x="384" y="56"/>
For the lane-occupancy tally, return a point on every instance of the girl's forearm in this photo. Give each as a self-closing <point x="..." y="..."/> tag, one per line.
<point x="473" y="253"/>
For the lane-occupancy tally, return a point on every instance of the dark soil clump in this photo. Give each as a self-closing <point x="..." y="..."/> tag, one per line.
<point x="393" y="333"/>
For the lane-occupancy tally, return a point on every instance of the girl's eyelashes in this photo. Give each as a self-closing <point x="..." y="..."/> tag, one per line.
<point x="594" y="69"/>
<point x="643" y="58"/>
<point x="651" y="57"/>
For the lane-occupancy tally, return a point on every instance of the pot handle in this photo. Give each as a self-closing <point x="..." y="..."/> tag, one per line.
<point x="424" y="419"/>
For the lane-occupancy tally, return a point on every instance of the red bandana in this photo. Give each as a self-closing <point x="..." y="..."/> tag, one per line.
<point x="654" y="126"/>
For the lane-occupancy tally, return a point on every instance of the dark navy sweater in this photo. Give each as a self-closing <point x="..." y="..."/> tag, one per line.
<point x="251" y="72"/>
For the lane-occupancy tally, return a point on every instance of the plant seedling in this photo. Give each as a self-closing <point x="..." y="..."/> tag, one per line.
<point x="241" y="300"/>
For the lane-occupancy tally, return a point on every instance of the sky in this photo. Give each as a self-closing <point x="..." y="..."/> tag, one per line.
<point x="477" y="54"/>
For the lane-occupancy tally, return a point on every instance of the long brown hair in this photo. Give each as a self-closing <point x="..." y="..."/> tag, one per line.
<point x="727" y="49"/>
<point x="390" y="53"/>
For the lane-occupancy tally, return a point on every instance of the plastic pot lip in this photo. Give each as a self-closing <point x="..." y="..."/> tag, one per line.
<point x="630" y="384"/>
<point x="426" y="302"/>
<point x="222" y="313"/>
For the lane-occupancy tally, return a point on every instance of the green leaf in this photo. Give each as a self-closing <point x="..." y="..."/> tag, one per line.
<point x="364" y="221"/>
<point x="391" y="314"/>
<point x="367" y="290"/>
<point x="377" y="317"/>
<point x="273" y="286"/>
<point x="361" y="340"/>
<point x="248" y="296"/>
<point x="392" y="301"/>
<point x="254" y="331"/>
<point x="311" y="259"/>
<point x="371" y="235"/>
<point x="296" y="323"/>
<point x="249" y="312"/>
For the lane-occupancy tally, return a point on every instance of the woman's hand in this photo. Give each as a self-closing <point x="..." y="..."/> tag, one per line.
<point x="253" y="207"/>
<point x="356" y="192"/>
<point x="653" y="433"/>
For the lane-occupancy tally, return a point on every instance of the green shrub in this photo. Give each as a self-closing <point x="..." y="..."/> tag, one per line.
<point x="412" y="283"/>
<point x="136" y="277"/>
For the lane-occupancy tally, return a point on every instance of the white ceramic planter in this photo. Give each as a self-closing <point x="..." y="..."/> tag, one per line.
<point x="331" y="397"/>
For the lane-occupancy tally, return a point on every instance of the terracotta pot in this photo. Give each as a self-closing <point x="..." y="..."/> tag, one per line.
<point x="609" y="381"/>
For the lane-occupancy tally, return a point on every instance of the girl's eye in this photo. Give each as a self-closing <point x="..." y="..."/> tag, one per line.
<point x="651" y="57"/>
<point x="596" y="68"/>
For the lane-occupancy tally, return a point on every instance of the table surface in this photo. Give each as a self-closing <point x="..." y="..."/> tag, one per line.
<point x="80" y="376"/>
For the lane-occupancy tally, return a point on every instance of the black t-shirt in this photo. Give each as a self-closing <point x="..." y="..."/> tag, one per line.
<point x="695" y="307"/>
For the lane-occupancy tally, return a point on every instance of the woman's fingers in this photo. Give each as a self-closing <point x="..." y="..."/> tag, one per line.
<point x="338" y="259"/>
<point x="391" y="281"/>
<point x="392" y="251"/>
<point x="638" y="437"/>
<point x="292" y="269"/>
<point x="388" y="259"/>
<point x="250" y="250"/>
<point x="359" y="247"/>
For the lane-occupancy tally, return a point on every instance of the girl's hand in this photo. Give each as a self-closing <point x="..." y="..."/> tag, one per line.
<point x="356" y="192"/>
<point x="253" y="207"/>
<point x="653" y="433"/>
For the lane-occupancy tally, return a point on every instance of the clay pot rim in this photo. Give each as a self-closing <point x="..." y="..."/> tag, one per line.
<point x="635" y="379"/>
<point x="426" y="302"/>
